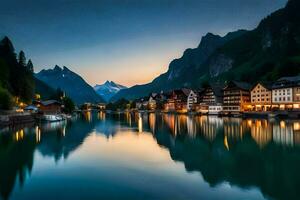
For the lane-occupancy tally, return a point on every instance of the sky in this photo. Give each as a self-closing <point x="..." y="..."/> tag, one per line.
<point x="126" y="41"/>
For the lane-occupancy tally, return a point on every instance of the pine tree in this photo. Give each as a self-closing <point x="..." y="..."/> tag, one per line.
<point x="22" y="59"/>
<point x="30" y="66"/>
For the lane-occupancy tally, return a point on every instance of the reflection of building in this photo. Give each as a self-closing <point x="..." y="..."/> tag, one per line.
<point x="283" y="133"/>
<point x="261" y="97"/>
<point x="261" y="131"/>
<point x="234" y="128"/>
<point x="209" y="126"/>
<point x="236" y="97"/>
<point x="286" y="93"/>
<point x="152" y="122"/>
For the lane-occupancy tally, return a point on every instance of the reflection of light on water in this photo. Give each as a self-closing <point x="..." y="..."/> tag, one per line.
<point x="261" y="132"/>
<point x="37" y="134"/>
<point x="283" y="134"/>
<point x="296" y="126"/>
<point x="152" y="118"/>
<point x="19" y="135"/>
<point x="282" y="124"/>
<point x="140" y="123"/>
<point x="64" y="131"/>
<point x="88" y="116"/>
<point x="226" y="142"/>
<point x="101" y="116"/>
<point x="191" y="128"/>
<point x="249" y="122"/>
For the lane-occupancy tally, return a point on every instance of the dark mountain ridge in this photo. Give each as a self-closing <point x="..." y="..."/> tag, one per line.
<point x="71" y="83"/>
<point x="266" y="53"/>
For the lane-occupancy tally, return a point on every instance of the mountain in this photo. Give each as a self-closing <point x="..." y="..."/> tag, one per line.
<point x="108" y="89"/>
<point x="182" y="71"/>
<point x="71" y="83"/>
<point x="266" y="53"/>
<point x="44" y="90"/>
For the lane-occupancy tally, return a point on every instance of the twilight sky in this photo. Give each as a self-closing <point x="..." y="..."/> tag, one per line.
<point x="127" y="41"/>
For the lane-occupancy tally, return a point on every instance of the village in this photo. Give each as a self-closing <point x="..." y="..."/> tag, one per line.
<point x="280" y="98"/>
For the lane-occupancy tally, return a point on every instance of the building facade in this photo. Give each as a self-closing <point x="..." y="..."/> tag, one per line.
<point x="286" y="93"/>
<point x="261" y="97"/>
<point x="192" y="100"/>
<point x="236" y="97"/>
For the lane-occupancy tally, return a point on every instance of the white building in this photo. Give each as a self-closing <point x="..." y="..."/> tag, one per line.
<point x="215" y="109"/>
<point x="283" y="92"/>
<point x="192" y="100"/>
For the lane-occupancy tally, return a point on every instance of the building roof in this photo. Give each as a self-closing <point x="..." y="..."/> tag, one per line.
<point x="239" y="84"/>
<point x="290" y="78"/>
<point x="285" y="82"/>
<point x="266" y="85"/>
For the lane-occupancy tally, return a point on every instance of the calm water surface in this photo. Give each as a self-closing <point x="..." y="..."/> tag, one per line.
<point x="141" y="156"/>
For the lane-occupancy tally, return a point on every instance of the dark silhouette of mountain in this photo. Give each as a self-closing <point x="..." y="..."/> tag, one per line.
<point x="60" y="141"/>
<point x="71" y="83"/>
<point x="108" y="89"/>
<point x="266" y="53"/>
<point x="16" y="74"/>
<point x="43" y="89"/>
<point x="16" y="161"/>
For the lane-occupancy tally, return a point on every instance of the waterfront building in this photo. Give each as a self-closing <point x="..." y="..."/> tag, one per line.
<point x="286" y="93"/>
<point x="152" y="101"/>
<point x="236" y="97"/>
<point x="211" y="100"/>
<point x="261" y="97"/>
<point x="191" y="100"/>
<point x="141" y="103"/>
<point x="101" y="106"/>
<point x="177" y="100"/>
<point x="49" y="106"/>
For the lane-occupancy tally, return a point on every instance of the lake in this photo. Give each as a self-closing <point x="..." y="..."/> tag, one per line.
<point x="151" y="156"/>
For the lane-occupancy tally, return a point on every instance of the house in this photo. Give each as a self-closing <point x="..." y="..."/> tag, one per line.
<point x="101" y="106"/>
<point x="177" y="100"/>
<point x="152" y="101"/>
<point x="236" y="97"/>
<point x="193" y="100"/>
<point x="159" y="99"/>
<point x="141" y="103"/>
<point x="261" y="97"/>
<point x="211" y="100"/>
<point x="169" y="105"/>
<point x="49" y="106"/>
<point x="216" y="107"/>
<point x="285" y="93"/>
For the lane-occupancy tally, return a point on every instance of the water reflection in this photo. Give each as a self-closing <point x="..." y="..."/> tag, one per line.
<point x="245" y="153"/>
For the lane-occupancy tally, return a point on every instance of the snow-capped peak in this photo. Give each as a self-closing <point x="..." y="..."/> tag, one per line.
<point x="108" y="89"/>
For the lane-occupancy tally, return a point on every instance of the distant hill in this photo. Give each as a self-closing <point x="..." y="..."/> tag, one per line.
<point x="108" y="89"/>
<point x="266" y="53"/>
<point x="71" y="83"/>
